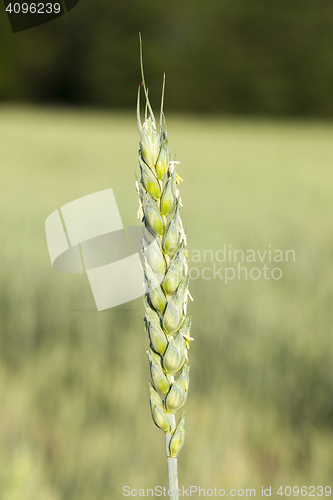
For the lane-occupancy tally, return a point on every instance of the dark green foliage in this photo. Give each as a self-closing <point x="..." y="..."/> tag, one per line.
<point x="220" y="56"/>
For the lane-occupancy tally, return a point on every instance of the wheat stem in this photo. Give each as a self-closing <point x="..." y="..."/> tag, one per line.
<point x="173" y="478"/>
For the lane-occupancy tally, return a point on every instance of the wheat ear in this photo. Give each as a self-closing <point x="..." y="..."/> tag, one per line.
<point x="164" y="262"/>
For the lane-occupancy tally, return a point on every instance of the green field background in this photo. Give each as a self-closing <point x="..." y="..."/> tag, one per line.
<point x="75" y="421"/>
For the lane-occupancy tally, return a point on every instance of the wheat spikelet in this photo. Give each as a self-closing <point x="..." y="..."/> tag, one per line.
<point x="164" y="261"/>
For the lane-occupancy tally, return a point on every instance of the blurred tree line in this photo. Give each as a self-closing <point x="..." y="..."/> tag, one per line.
<point x="220" y="56"/>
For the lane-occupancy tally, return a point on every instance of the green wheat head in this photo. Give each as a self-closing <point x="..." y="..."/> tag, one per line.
<point x="164" y="262"/>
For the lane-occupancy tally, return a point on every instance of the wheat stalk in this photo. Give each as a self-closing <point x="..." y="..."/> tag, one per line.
<point x="164" y="261"/>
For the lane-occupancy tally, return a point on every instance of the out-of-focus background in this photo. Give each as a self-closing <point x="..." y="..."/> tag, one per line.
<point x="230" y="56"/>
<point x="249" y="102"/>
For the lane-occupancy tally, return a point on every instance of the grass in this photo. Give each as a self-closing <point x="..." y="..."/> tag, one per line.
<point x="74" y="421"/>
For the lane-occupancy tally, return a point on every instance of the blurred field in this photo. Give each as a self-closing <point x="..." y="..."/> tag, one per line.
<point x="74" y="420"/>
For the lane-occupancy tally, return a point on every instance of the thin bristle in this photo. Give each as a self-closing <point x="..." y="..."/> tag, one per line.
<point x="138" y="110"/>
<point x="162" y="103"/>
<point x="164" y="125"/>
<point x="144" y="83"/>
<point x="146" y="108"/>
